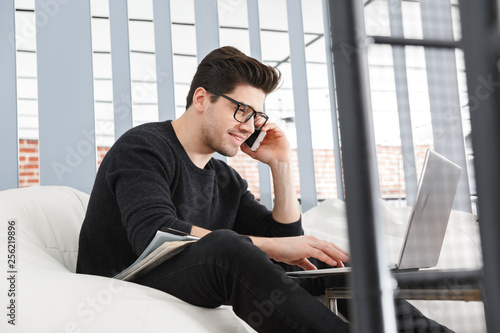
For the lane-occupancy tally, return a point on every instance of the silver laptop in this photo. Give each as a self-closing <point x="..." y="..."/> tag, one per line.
<point x="428" y="218"/>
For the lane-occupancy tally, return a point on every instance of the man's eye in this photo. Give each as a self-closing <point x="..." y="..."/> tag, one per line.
<point x="243" y="109"/>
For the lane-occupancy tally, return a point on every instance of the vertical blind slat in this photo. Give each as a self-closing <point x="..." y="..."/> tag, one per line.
<point x="256" y="52"/>
<point x="164" y="60"/>
<point x="207" y="33"/>
<point x="65" y="95"/>
<point x="301" y="104"/>
<point x="403" y="102"/>
<point x="333" y="103"/>
<point x="120" y="65"/>
<point x="444" y="98"/>
<point x="207" y="27"/>
<point x="9" y="167"/>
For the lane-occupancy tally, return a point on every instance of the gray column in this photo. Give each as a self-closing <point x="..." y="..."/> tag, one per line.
<point x="255" y="49"/>
<point x="120" y="64"/>
<point x="443" y="93"/>
<point x="207" y="33"/>
<point x="480" y="23"/>
<point x="9" y="148"/>
<point x="403" y="101"/>
<point x="301" y="105"/>
<point x="164" y="60"/>
<point x="333" y="102"/>
<point x="207" y="27"/>
<point x="373" y="294"/>
<point x="65" y="94"/>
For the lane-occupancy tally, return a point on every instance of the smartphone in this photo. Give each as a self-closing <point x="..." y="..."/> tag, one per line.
<point x="254" y="140"/>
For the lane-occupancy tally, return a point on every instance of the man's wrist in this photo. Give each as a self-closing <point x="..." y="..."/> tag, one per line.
<point x="261" y="242"/>
<point x="198" y="231"/>
<point x="280" y="164"/>
<point x="280" y="167"/>
<point x="286" y="208"/>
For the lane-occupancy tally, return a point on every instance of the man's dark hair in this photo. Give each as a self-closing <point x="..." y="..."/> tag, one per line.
<point x="226" y="67"/>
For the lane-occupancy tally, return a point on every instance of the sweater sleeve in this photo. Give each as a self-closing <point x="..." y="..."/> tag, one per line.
<point x="138" y="175"/>
<point x="254" y="219"/>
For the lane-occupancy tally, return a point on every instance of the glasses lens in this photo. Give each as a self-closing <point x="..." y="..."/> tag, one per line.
<point x="260" y="120"/>
<point x="244" y="113"/>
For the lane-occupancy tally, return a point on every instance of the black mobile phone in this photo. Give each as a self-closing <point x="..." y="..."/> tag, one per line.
<point x="254" y="140"/>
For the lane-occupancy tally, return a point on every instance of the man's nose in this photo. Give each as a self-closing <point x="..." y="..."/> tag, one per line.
<point x="248" y="127"/>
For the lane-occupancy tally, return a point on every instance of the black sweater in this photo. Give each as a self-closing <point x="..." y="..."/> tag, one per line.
<point x="147" y="181"/>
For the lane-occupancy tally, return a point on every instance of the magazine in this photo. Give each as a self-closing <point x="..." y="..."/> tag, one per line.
<point x="166" y="244"/>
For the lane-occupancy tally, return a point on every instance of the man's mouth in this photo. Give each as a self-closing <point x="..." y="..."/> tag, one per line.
<point x="237" y="139"/>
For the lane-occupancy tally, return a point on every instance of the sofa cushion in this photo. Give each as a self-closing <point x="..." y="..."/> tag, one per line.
<point x="48" y="218"/>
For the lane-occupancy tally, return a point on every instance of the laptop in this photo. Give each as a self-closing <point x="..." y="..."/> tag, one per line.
<point x="428" y="219"/>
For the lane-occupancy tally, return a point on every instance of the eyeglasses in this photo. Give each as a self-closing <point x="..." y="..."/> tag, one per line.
<point x="244" y="113"/>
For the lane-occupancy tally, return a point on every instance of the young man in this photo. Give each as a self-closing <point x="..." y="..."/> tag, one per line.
<point x="163" y="175"/>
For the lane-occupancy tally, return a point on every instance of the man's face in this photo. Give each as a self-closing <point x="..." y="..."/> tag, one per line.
<point x="220" y="131"/>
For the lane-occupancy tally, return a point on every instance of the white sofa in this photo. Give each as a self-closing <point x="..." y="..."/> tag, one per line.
<point x="461" y="250"/>
<point x="50" y="297"/>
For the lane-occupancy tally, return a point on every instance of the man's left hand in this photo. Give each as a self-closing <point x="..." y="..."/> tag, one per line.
<point x="274" y="148"/>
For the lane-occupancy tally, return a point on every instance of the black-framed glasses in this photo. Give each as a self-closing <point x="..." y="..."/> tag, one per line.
<point x="244" y="113"/>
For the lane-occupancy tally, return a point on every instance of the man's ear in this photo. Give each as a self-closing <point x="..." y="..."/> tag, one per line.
<point x="201" y="99"/>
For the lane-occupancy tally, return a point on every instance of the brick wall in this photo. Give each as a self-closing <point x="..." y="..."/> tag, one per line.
<point x="29" y="168"/>
<point x="29" y="171"/>
<point x="101" y="151"/>
<point x="389" y="159"/>
<point x="391" y="174"/>
<point x="390" y="164"/>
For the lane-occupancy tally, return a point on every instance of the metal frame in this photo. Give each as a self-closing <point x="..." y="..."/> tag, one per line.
<point x="480" y="32"/>
<point x="480" y="29"/>
<point x="428" y="42"/>
<point x="373" y="293"/>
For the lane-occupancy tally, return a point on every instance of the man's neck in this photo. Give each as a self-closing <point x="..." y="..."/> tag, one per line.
<point x="187" y="132"/>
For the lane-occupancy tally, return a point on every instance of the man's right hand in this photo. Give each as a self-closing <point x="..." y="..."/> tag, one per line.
<point x="296" y="250"/>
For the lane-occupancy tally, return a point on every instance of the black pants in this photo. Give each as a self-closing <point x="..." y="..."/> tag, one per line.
<point x="224" y="268"/>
